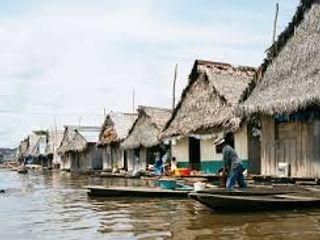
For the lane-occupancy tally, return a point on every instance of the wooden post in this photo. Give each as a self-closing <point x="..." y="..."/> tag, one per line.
<point x="133" y="104"/>
<point x="275" y="23"/>
<point x="174" y="87"/>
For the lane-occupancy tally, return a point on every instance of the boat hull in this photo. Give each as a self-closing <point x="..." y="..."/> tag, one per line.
<point x="254" y="203"/>
<point x="135" y="192"/>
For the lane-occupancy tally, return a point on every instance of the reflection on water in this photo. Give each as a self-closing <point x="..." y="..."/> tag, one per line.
<point x="53" y="205"/>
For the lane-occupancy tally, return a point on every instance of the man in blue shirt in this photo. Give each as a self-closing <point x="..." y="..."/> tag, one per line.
<point x="233" y="164"/>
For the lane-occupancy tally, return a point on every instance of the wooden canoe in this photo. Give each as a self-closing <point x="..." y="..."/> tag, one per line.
<point x="100" y="191"/>
<point x="247" y="202"/>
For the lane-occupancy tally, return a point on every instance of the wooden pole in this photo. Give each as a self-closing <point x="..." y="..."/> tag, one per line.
<point x="174" y="87"/>
<point x="133" y="103"/>
<point x="275" y="23"/>
<point x="54" y="134"/>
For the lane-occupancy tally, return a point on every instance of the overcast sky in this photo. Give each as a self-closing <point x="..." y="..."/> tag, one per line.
<point x="62" y="59"/>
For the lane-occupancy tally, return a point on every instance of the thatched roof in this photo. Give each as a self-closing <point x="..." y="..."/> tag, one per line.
<point x="54" y="141"/>
<point x="23" y="148"/>
<point x="291" y="72"/>
<point x="39" y="148"/>
<point x="33" y="143"/>
<point x="77" y="144"/>
<point x="116" y="127"/>
<point x="76" y="138"/>
<point x="147" y="127"/>
<point x="209" y="100"/>
<point x="68" y="135"/>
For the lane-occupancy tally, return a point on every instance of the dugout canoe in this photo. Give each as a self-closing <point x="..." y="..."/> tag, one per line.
<point x="244" y="201"/>
<point x="100" y="191"/>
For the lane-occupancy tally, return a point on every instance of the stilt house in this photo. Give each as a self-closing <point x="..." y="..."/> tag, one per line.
<point x="78" y="149"/>
<point x="207" y="110"/>
<point x="142" y="143"/>
<point x="114" y="130"/>
<point x="52" y="157"/>
<point x="287" y="98"/>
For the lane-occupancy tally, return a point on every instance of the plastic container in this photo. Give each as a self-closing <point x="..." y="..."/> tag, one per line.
<point x="283" y="169"/>
<point x="199" y="186"/>
<point x="167" y="184"/>
<point x="182" y="172"/>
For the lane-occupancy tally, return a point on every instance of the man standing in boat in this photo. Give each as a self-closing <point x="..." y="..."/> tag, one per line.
<point x="233" y="164"/>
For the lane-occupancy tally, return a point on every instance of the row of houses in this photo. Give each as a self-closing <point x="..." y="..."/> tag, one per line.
<point x="270" y="115"/>
<point x="40" y="147"/>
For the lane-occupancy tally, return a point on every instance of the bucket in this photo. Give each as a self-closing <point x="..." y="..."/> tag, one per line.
<point x="167" y="184"/>
<point x="199" y="186"/>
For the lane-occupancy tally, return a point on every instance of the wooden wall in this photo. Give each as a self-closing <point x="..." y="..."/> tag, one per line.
<point x="296" y="143"/>
<point x="106" y="157"/>
<point x="131" y="160"/>
<point x="254" y="152"/>
<point x="95" y="158"/>
<point x="112" y="156"/>
<point x="66" y="161"/>
<point x="135" y="164"/>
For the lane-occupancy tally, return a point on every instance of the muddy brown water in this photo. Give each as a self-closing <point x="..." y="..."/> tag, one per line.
<point x="53" y="205"/>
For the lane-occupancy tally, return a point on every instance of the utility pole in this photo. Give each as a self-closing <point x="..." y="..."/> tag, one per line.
<point x="275" y="23"/>
<point x="133" y="103"/>
<point x="104" y="112"/>
<point x="174" y="87"/>
<point x="54" y="135"/>
<point x="79" y="121"/>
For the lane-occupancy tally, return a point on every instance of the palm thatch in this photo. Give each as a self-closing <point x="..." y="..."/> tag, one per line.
<point x="116" y="127"/>
<point x="54" y="141"/>
<point x="147" y="127"/>
<point x="23" y="148"/>
<point x="68" y="135"/>
<point x="33" y="142"/>
<point x="291" y="72"/>
<point x="40" y="147"/>
<point x="77" y="144"/>
<point x="209" y="100"/>
<point x="82" y="138"/>
<point x="76" y="138"/>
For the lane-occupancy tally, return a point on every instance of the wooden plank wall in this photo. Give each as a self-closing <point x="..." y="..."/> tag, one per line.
<point x="267" y="146"/>
<point x="297" y="143"/>
<point x="254" y="153"/>
<point x="315" y="150"/>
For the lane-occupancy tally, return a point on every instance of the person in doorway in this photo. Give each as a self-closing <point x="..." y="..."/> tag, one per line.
<point x="173" y="164"/>
<point x="158" y="165"/>
<point x="233" y="164"/>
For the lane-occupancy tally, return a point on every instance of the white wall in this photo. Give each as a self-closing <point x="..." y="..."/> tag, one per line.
<point x="180" y="150"/>
<point x="241" y="142"/>
<point x="208" y="151"/>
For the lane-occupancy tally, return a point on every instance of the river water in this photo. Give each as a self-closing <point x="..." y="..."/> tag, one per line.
<point x="53" y="205"/>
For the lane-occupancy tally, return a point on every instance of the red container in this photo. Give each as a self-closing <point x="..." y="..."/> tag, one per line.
<point x="182" y="172"/>
<point x="185" y="172"/>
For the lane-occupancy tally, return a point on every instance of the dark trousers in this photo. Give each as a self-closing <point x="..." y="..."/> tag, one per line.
<point x="236" y="175"/>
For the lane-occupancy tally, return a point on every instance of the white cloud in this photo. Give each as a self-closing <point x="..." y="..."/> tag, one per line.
<point x="71" y="60"/>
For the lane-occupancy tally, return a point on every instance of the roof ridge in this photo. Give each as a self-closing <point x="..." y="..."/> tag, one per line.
<point x="155" y="108"/>
<point x="224" y="64"/>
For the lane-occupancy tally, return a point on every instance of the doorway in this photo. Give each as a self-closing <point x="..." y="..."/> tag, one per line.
<point x="194" y="154"/>
<point x="125" y="160"/>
